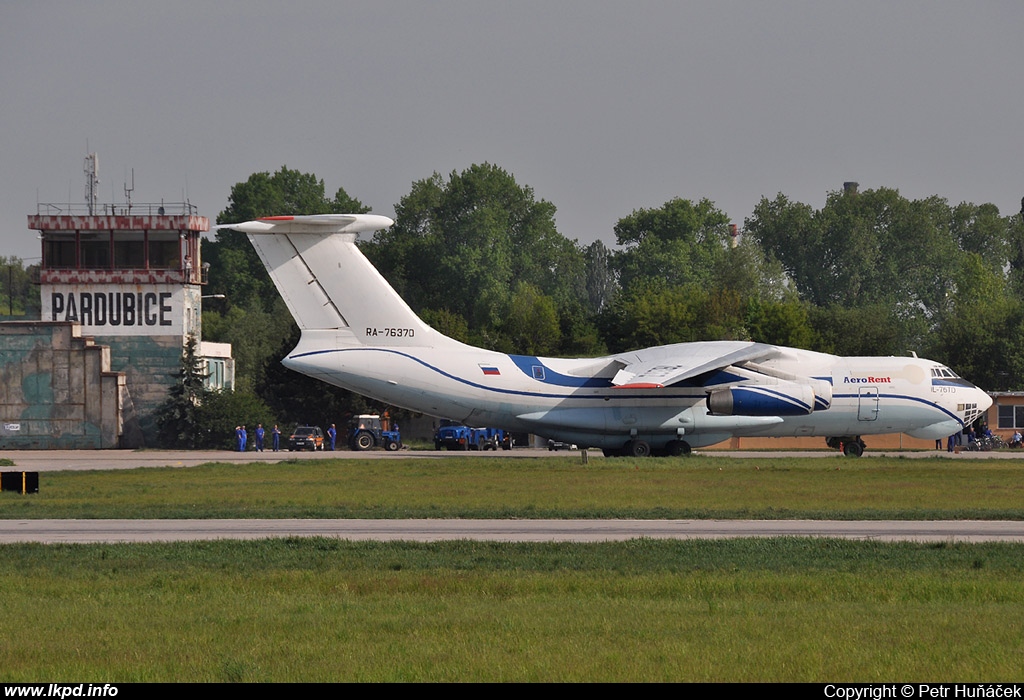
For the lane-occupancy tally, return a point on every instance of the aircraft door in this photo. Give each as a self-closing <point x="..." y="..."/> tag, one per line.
<point x="867" y="403"/>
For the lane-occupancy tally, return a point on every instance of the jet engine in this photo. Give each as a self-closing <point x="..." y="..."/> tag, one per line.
<point x="781" y="399"/>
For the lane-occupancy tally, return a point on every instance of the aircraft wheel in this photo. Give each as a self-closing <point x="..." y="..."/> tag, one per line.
<point x="678" y="448"/>
<point x="363" y="441"/>
<point x="392" y="446"/>
<point x="853" y="449"/>
<point x="638" y="448"/>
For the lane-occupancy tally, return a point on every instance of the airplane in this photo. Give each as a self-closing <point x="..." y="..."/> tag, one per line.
<point x="359" y="334"/>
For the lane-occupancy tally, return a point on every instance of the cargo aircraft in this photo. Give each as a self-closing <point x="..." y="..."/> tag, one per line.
<point x="357" y="333"/>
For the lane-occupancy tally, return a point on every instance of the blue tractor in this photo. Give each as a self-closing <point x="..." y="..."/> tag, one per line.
<point x="368" y="431"/>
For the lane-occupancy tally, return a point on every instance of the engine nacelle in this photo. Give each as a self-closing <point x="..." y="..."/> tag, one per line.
<point x="822" y="394"/>
<point x="782" y="399"/>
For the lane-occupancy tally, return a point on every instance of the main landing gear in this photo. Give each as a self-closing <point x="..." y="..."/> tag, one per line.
<point x="642" y="448"/>
<point x="849" y="445"/>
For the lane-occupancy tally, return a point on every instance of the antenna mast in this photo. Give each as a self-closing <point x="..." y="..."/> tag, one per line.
<point x="128" y="191"/>
<point x="92" y="181"/>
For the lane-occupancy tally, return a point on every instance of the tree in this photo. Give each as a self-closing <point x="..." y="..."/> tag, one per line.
<point x="298" y="399"/>
<point x="1015" y="252"/>
<point x="874" y="247"/>
<point x="980" y="330"/>
<point x="780" y="323"/>
<point x="178" y="422"/>
<point x="655" y="314"/>
<point x="532" y="322"/>
<point x="900" y="260"/>
<point x="20" y="296"/>
<point x="859" y="332"/>
<point x="257" y="337"/>
<point x="601" y="282"/>
<point x="679" y="243"/>
<point x="221" y="411"/>
<point x="746" y="269"/>
<point x="463" y="244"/>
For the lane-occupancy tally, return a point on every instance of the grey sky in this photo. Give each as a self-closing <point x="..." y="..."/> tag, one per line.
<point x="601" y="107"/>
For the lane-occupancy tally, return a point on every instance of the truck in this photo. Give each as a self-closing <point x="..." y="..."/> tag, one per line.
<point x="452" y="435"/>
<point x="367" y="431"/>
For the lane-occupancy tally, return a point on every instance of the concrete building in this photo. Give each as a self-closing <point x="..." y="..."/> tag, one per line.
<point x="57" y="390"/>
<point x="1006" y="415"/>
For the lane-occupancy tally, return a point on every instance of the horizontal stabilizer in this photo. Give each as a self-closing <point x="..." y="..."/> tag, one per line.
<point x="315" y="223"/>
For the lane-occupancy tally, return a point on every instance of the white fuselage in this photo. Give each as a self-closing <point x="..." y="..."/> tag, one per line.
<point x="575" y="401"/>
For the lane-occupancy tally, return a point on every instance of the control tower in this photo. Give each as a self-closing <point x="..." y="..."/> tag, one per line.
<point x="131" y="275"/>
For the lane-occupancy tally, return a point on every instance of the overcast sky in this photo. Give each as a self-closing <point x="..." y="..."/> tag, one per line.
<point x="601" y="107"/>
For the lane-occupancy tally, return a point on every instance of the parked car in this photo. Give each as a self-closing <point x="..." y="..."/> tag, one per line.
<point x="306" y="437"/>
<point x="555" y="445"/>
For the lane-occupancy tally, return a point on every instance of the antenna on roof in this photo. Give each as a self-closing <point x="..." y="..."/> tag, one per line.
<point x="128" y="191"/>
<point x="92" y="180"/>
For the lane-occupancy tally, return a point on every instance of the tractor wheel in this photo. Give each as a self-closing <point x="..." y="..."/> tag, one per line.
<point x="363" y="441"/>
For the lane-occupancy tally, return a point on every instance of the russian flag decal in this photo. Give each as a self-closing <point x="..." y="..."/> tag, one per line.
<point x="490" y="370"/>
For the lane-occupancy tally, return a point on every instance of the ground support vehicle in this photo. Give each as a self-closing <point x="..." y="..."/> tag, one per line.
<point x="455" y="436"/>
<point x="451" y="436"/>
<point x="368" y="431"/>
<point x="489" y="439"/>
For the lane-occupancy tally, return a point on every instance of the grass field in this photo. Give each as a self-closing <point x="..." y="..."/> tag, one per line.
<point x="644" y="610"/>
<point x="699" y="487"/>
<point x="324" y="610"/>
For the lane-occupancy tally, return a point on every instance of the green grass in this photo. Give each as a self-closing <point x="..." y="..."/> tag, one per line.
<point x="324" y="610"/>
<point x="700" y="487"/>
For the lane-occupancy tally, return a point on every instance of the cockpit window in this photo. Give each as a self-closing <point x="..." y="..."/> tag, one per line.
<point x="944" y="372"/>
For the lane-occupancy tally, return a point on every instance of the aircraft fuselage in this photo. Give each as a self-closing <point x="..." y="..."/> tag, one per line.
<point x="575" y="401"/>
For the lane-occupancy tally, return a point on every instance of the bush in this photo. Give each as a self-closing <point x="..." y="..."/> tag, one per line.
<point x="222" y="411"/>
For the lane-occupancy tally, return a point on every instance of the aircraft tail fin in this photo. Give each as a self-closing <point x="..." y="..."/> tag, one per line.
<point x="329" y="285"/>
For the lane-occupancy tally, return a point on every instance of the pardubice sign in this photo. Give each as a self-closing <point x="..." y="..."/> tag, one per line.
<point x="117" y="309"/>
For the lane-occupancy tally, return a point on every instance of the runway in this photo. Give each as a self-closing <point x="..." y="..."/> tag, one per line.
<point x="109" y="531"/>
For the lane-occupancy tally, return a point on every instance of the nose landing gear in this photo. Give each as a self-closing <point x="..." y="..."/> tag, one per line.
<point x="849" y="445"/>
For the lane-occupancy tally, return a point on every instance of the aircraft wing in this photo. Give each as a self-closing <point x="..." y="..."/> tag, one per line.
<point x="667" y="365"/>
